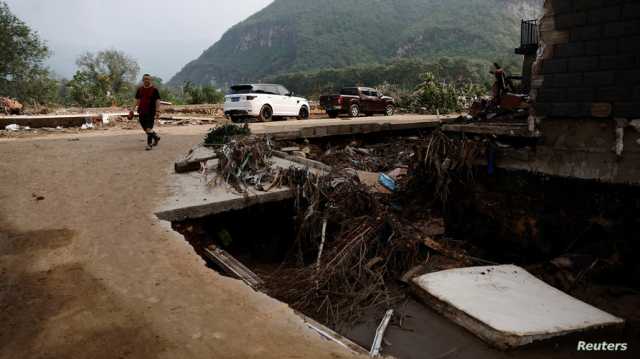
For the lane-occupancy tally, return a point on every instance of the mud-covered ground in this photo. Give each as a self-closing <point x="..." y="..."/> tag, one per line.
<point x="87" y="271"/>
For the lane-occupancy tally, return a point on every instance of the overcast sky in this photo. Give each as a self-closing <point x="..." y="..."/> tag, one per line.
<point x="163" y="35"/>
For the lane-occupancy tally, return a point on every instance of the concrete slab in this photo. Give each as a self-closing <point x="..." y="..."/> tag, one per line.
<point x="192" y="198"/>
<point x="506" y="306"/>
<point x="287" y="130"/>
<point x="47" y="120"/>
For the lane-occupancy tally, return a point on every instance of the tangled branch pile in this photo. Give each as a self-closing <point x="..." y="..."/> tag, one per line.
<point x="443" y="161"/>
<point x="349" y="244"/>
<point x="382" y="157"/>
<point x="222" y="134"/>
<point x="245" y="163"/>
<point x="351" y="241"/>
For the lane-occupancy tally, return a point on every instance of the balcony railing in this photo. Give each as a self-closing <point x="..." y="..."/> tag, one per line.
<point x="529" y="33"/>
<point x="528" y="37"/>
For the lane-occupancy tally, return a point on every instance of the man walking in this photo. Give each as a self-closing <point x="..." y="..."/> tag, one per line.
<point x="148" y="104"/>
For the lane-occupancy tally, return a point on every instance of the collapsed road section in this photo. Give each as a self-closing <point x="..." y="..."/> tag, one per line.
<point x="338" y="226"/>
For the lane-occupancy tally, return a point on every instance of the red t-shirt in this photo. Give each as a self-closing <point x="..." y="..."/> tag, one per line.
<point x="148" y="97"/>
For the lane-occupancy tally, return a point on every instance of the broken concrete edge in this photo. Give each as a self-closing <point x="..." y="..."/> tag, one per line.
<point x="209" y="209"/>
<point x="496" y="338"/>
<point x="503" y="130"/>
<point x="237" y="270"/>
<point x="537" y="163"/>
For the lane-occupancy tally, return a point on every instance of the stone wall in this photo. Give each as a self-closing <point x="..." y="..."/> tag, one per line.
<point x="589" y="61"/>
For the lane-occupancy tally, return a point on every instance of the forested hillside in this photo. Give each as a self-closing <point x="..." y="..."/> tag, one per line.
<point x="301" y="35"/>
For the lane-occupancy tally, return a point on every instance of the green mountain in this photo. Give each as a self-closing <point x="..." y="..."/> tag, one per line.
<point x="298" y="35"/>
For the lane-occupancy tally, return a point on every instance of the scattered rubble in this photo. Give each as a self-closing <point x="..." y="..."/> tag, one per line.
<point x="10" y="106"/>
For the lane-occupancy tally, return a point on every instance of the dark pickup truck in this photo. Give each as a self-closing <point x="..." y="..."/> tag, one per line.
<point x="354" y="101"/>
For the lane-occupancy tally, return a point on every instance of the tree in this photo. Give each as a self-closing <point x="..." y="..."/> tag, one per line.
<point x="88" y="91"/>
<point x="436" y="97"/>
<point x="202" y="94"/>
<point x="104" y="78"/>
<point x="22" y="55"/>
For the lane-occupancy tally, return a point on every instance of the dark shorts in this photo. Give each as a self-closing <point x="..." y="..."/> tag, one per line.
<point x="147" y="121"/>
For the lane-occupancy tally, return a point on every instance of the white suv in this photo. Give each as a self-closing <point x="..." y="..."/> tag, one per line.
<point x="264" y="102"/>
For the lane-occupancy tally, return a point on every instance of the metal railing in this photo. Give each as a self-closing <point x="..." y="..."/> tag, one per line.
<point x="529" y="33"/>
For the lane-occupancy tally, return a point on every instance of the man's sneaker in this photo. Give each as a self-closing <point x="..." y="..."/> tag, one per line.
<point x="148" y="148"/>
<point x="156" y="139"/>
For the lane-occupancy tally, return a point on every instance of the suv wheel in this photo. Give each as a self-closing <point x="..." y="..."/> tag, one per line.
<point x="354" y="110"/>
<point x="266" y="114"/>
<point x="303" y="114"/>
<point x="389" y="110"/>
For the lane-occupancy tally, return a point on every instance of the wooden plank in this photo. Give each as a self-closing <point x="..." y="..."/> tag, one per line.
<point x="232" y="266"/>
<point x="303" y="161"/>
<point x="329" y="334"/>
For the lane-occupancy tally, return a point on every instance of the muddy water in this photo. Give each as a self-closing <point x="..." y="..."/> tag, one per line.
<point x="426" y="334"/>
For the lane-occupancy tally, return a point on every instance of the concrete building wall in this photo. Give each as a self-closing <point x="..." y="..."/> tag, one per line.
<point x="589" y="64"/>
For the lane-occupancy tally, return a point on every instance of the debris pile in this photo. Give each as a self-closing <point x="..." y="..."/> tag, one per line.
<point x="14" y="127"/>
<point x="350" y="242"/>
<point x="208" y="110"/>
<point x="223" y="134"/>
<point x="382" y="157"/>
<point x="443" y="161"/>
<point x="244" y="163"/>
<point x="353" y="241"/>
<point x="10" y="106"/>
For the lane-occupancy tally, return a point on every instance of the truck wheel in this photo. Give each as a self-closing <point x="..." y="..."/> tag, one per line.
<point x="389" y="111"/>
<point x="354" y="110"/>
<point x="332" y="114"/>
<point x="266" y="114"/>
<point x="303" y="114"/>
